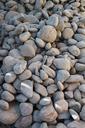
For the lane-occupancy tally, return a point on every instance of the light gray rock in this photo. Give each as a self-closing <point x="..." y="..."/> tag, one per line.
<point x="37" y="79"/>
<point x="61" y="125"/>
<point x="9" y="88"/>
<point x="61" y="106"/>
<point x="35" y="98"/>
<point x="68" y="33"/>
<point x="74" y="114"/>
<point x="60" y="86"/>
<point x="49" y="81"/>
<point x="82" y="113"/>
<point x="80" y="67"/>
<point x="7" y="96"/>
<point x="45" y="101"/>
<point x="10" y="77"/>
<point x="81" y="44"/>
<point x="53" y="52"/>
<point x="43" y="75"/>
<point x="76" y="124"/>
<point x="62" y="63"/>
<point x="21" y="98"/>
<point x="58" y="96"/>
<point x="27" y="88"/>
<point x="4" y="105"/>
<point x="74" y="50"/>
<point x="15" y="53"/>
<point x="62" y="75"/>
<point x="75" y="105"/>
<point x="20" y="67"/>
<point x="25" y="75"/>
<point x="68" y="94"/>
<point x="52" y="88"/>
<point x="40" y="43"/>
<point x="82" y="88"/>
<point x="24" y="36"/>
<point x="77" y="95"/>
<point x="79" y="37"/>
<point x="75" y="78"/>
<point x="45" y="33"/>
<point x="44" y="125"/>
<point x="26" y="109"/>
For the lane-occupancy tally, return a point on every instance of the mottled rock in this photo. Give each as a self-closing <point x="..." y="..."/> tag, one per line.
<point x="10" y="77"/>
<point x="82" y="113"/>
<point x="82" y="88"/>
<point x="4" y="105"/>
<point x="24" y="36"/>
<point x="9" y="88"/>
<point x="74" y="50"/>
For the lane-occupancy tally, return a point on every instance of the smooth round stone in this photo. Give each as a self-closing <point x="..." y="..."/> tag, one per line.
<point x="82" y="113"/>
<point x="26" y="109"/>
<point x="53" y="52"/>
<point x="48" y="46"/>
<point x="9" y="88"/>
<point x="20" y="67"/>
<point x="45" y="33"/>
<point x="10" y="77"/>
<point x="7" y="96"/>
<point x="74" y="50"/>
<point x="9" y="116"/>
<point x="60" y="125"/>
<point x="74" y="114"/>
<point x="82" y="88"/>
<point x="45" y="101"/>
<point x="21" y="98"/>
<point x="40" y="43"/>
<point x="43" y="75"/>
<point x="4" y="105"/>
<point x="68" y="33"/>
<point x="58" y="95"/>
<point x="24" y="36"/>
<point x="35" y="98"/>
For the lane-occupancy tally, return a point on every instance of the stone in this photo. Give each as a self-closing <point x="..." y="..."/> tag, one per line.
<point x="60" y="86"/>
<point x="9" y="116"/>
<point x="49" y="81"/>
<point x="68" y="33"/>
<point x="20" y="67"/>
<point x="76" y="124"/>
<point x="82" y="88"/>
<point x="59" y="95"/>
<point x="7" y="96"/>
<point x="74" y="114"/>
<point x="53" y="20"/>
<point x="37" y="79"/>
<point x="21" y="98"/>
<point x="40" y="89"/>
<point x="77" y="95"/>
<point x="48" y="114"/>
<point x="35" y="98"/>
<point x="10" y="77"/>
<point x="75" y="78"/>
<point x="72" y="42"/>
<point x="49" y="71"/>
<point x="45" y="101"/>
<point x="9" y="88"/>
<point x="51" y="88"/>
<point x="80" y="67"/>
<point x="74" y="50"/>
<point x="23" y="122"/>
<point x="82" y="113"/>
<point x="27" y="88"/>
<point x="43" y="75"/>
<point x="75" y="105"/>
<point x="25" y="75"/>
<point x="44" y="125"/>
<point x="68" y="94"/>
<point x="81" y="44"/>
<point x="61" y="125"/>
<point x="40" y="43"/>
<point x="79" y="37"/>
<point x="4" y="105"/>
<point x="61" y="106"/>
<point x="26" y="109"/>
<point x="45" y="33"/>
<point x="15" y="53"/>
<point x="24" y="36"/>
<point x="62" y="75"/>
<point x="53" y="52"/>
<point x="62" y="63"/>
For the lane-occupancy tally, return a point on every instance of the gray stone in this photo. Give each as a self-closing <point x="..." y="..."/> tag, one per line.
<point x="7" y="96"/>
<point x="24" y="36"/>
<point x="10" y="77"/>
<point x="74" y="50"/>
<point x="4" y="105"/>
<point x="52" y="88"/>
<point x="82" y="88"/>
<point x="26" y="109"/>
<point x="82" y="113"/>
<point x="68" y="94"/>
<point x="75" y="105"/>
<point x="79" y="37"/>
<point x="9" y="88"/>
<point x="20" y="67"/>
<point x="62" y="75"/>
<point x="44" y="125"/>
<point x="80" y="67"/>
<point x="61" y="125"/>
<point x="60" y="86"/>
<point x="35" y="98"/>
<point x="77" y="95"/>
<point x="43" y="75"/>
<point x="27" y="88"/>
<point x="15" y="53"/>
<point x="81" y="44"/>
<point x="61" y="106"/>
<point x="74" y="114"/>
<point x="45" y="101"/>
<point x="37" y="79"/>
<point x="40" y="43"/>
<point x="76" y="124"/>
<point x="48" y="82"/>
<point x="68" y="33"/>
<point x="53" y="52"/>
<point x="21" y="98"/>
<point x="45" y="33"/>
<point x="58" y="96"/>
<point x="75" y="78"/>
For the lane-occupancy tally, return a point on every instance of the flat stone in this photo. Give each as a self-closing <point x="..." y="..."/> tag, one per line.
<point x="61" y="125"/>
<point x="45" y="101"/>
<point x="4" y="105"/>
<point x="24" y="36"/>
<point x="53" y="52"/>
<point x="10" y="77"/>
<point x="43" y="75"/>
<point x="76" y="124"/>
<point x="9" y="116"/>
<point x="59" y="95"/>
<point x="9" y="88"/>
<point x="52" y="88"/>
<point x="37" y="79"/>
<point x="79" y="37"/>
<point x="80" y="44"/>
<point x="75" y="78"/>
<point x="27" y="88"/>
<point x="80" y="67"/>
<point x="82" y="88"/>
<point x="82" y="113"/>
<point x="74" y="50"/>
<point x="45" y="33"/>
<point x="68" y="33"/>
<point x="35" y="98"/>
<point x="40" y="43"/>
<point x="62" y="75"/>
<point x="21" y="98"/>
<point x="26" y="109"/>
<point x="74" y="115"/>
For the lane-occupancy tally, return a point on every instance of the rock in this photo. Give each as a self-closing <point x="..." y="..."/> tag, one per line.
<point x="64" y="116"/>
<point x="82" y="88"/>
<point x="40" y="89"/>
<point x="62" y="75"/>
<point x="45" y="101"/>
<point x="15" y="53"/>
<point x="20" y="67"/>
<point x="74" y="50"/>
<point x="61" y="106"/>
<point x="26" y="109"/>
<point x="68" y="94"/>
<point x="75" y="78"/>
<point x="49" y="71"/>
<point x="80" y="67"/>
<point x="10" y="77"/>
<point x="9" y="116"/>
<point x="9" y="88"/>
<point x="62" y="63"/>
<point x="61" y="125"/>
<point x="81" y="44"/>
<point x="51" y="88"/>
<point x="45" y="33"/>
<point x="77" y="95"/>
<point x="43" y="75"/>
<point x="7" y="96"/>
<point x="27" y="88"/>
<point x="53" y="20"/>
<point x="53" y="52"/>
<point x="48" y="114"/>
<point x="23" y="122"/>
<point x="79" y="37"/>
<point x="4" y="105"/>
<point x="76" y="124"/>
<point x="82" y="113"/>
<point x="60" y="86"/>
<point x="25" y="75"/>
<point x="35" y="98"/>
<point x="24" y="36"/>
<point x="37" y="79"/>
<point x="40" y="43"/>
<point x="48" y="82"/>
<point x="43" y="125"/>
<point x="75" y="105"/>
<point x="72" y="41"/>
<point x="68" y="33"/>
<point x="48" y="46"/>
<point x="21" y="98"/>
<point x="74" y="114"/>
<point x="59" y="95"/>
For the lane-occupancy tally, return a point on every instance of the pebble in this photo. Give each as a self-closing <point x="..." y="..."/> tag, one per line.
<point x="25" y="75"/>
<point x="10" y="77"/>
<point x="68" y="33"/>
<point x="45" y="101"/>
<point x="21" y="98"/>
<point x="74" y="78"/>
<point x="74" y="50"/>
<point x="59" y="95"/>
<point x="40" y="43"/>
<point x="35" y="98"/>
<point x="53" y="52"/>
<point x="80" y="67"/>
<point x="9" y="88"/>
<point x="82" y="113"/>
<point x="4" y="105"/>
<point x="82" y="88"/>
<point x="43" y="75"/>
<point x="45" y="33"/>
<point x="51" y="88"/>
<point x="74" y="114"/>
<point x="81" y="44"/>
<point x="60" y="125"/>
<point x="26" y="109"/>
<point x="76" y="124"/>
<point x="27" y="88"/>
<point x="24" y="36"/>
